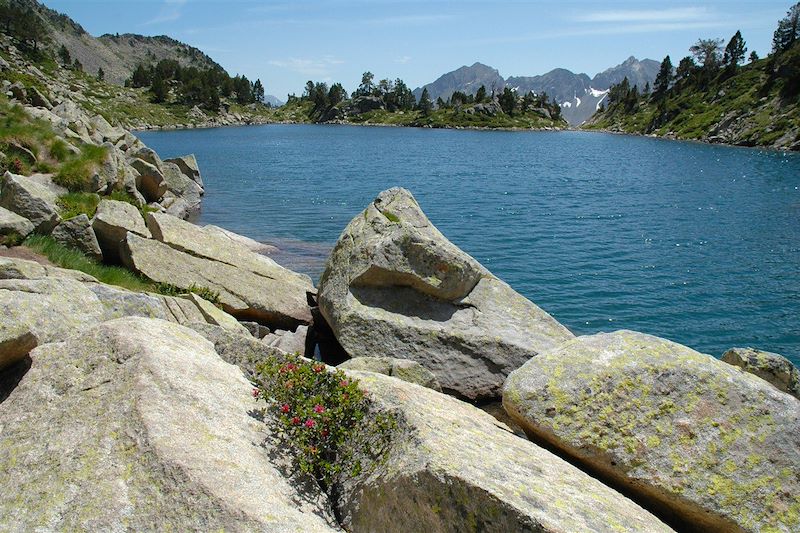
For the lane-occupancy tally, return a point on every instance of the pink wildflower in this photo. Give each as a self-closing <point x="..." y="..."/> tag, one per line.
<point x="319" y="409"/>
<point x="310" y="423"/>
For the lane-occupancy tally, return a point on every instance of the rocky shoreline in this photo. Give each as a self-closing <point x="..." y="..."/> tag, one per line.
<point x="135" y="410"/>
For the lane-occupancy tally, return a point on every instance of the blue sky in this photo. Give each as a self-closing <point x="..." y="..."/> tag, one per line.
<point x="285" y="43"/>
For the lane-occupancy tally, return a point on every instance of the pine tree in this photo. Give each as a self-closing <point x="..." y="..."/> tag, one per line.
<point x="101" y="74"/>
<point x="158" y="88"/>
<point x="258" y="91"/>
<point x="63" y="55"/>
<point x="753" y="56"/>
<point x="480" y="96"/>
<point x="425" y="105"/>
<point x="663" y="79"/>
<point x="508" y="101"/>
<point x="734" y="52"/>
<point x="788" y="31"/>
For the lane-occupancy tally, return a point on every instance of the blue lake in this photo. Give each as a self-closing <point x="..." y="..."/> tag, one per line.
<point x="695" y="243"/>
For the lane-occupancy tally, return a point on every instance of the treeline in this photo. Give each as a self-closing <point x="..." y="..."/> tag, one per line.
<point x="708" y="66"/>
<point x="194" y="86"/>
<point x="23" y="25"/>
<point x="397" y="96"/>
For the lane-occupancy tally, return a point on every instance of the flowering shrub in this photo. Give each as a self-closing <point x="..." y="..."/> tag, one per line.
<point x="318" y="412"/>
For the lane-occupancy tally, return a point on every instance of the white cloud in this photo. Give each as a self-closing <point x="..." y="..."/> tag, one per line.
<point x="321" y="67"/>
<point x="170" y="11"/>
<point x="647" y="15"/>
<point x="403" y="60"/>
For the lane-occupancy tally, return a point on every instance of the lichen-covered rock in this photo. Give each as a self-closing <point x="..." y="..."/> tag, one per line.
<point x="279" y="300"/>
<point x="717" y="447"/>
<point x="77" y="233"/>
<point x="189" y="167"/>
<point x="215" y="315"/>
<point x="288" y="341"/>
<point x="451" y="467"/>
<point x="394" y="284"/>
<point x="404" y="369"/>
<point x="150" y="180"/>
<point x="12" y="223"/>
<point x="30" y="199"/>
<point x="36" y="311"/>
<point x="210" y="244"/>
<point x="182" y="186"/>
<point x="112" y="222"/>
<point x="251" y="244"/>
<point x="771" y="367"/>
<point x="244" y="351"/>
<point x="121" y="429"/>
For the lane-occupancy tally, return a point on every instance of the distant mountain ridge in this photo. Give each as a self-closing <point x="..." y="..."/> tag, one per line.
<point x="578" y="94"/>
<point x="119" y="54"/>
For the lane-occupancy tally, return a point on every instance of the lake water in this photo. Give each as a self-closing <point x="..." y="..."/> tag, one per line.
<point x="695" y="243"/>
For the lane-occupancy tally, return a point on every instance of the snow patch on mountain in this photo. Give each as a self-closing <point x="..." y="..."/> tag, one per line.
<point x="597" y="94"/>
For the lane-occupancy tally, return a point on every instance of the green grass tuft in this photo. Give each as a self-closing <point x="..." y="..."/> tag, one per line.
<point x="76" y="174"/>
<point x="76" y="203"/>
<point x="70" y="258"/>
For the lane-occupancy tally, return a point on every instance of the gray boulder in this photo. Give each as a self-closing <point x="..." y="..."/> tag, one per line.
<point x="288" y="341"/>
<point x="31" y="199"/>
<point x="37" y="99"/>
<point x="189" y="167"/>
<point x="244" y="351"/>
<point x="449" y="466"/>
<point x="167" y="447"/>
<point x="37" y="311"/>
<point x="112" y="222"/>
<point x="716" y="447"/>
<point x="214" y="315"/>
<point x="771" y="367"/>
<point x="365" y="104"/>
<point x="77" y="233"/>
<point x="279" y="300"/>
<point x="247" y="242"/>
<point x="150" y="180"/>
<point x="404" y="369"/>
<point x="12" y="223"/>
<point x="182" y="186"/>
<point x="394" y="284"/>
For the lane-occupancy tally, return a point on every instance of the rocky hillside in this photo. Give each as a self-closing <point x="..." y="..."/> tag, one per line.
<point x="117" y="55"/>
<point x="578" y="94"/>
<point x="751" y="105"/>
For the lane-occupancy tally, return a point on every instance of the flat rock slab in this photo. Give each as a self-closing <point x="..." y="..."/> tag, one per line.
<point x="404" y="369"/>
<point x="451" y="467"/>
<point x="166" y="447"/>
<point x="210" y="244"/>
<point x="395" y="285"/>
<point x="716" y="447"/>
<point x="244" y="294"/>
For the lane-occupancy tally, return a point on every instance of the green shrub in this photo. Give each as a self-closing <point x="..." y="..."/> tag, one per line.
<point x="59" y="150"/>
<point x="206" y="294"/>
<point x="76" y="174"/>
<point x="322" y="416"/>
<point x="76" y="203"/>
<point x="71" y="258"/>
<point x="11" y="239"/>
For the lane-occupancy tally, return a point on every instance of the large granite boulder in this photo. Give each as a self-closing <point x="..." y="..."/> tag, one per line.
<point x="771" y="367"/>
<point x="13" y="224"/>
<point x="149" y="180"/>
<point x="182" y="186"/>
<point x="278" y="300"/>
<point x="214" y="315"/>
<point x="77" y="233"/>
<point x="31" y="199"/>
<point x="404" y="369"/>
<point x="217" y="246"/>
<point x="451" y="467"/>
<point x="44" y="310"/>
<point x="121" y="429"/>
<point x="189" y="167"/>
<point x="288" y="341"/>
<point x="112" y="222"/>
<point x="394" y="284"/>
<point x="716" y="447"/>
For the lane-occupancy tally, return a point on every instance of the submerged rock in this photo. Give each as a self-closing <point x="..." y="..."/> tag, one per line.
<point x="452" y="467"/>
<point x="771" y="367"/>
<point x="717" y="448"/>
<point x="121" y="428"/>
<point x="394" y="284"/>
